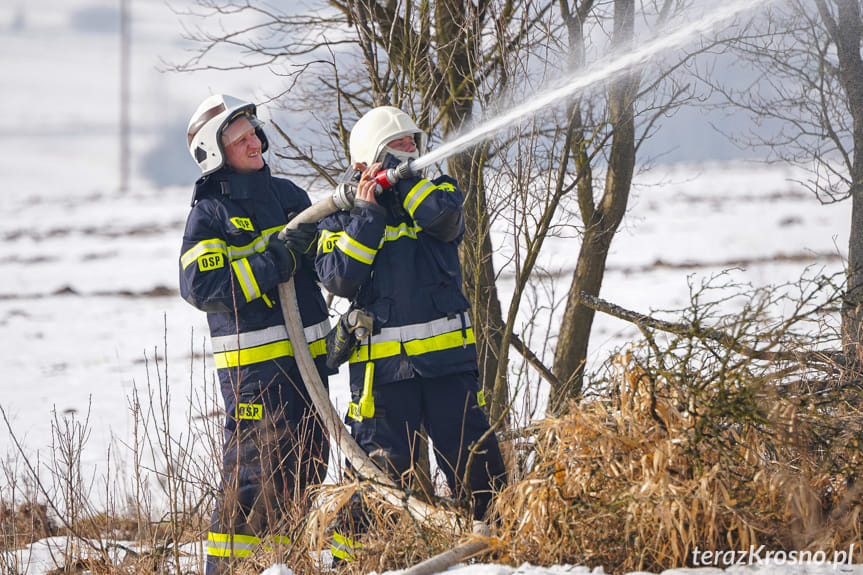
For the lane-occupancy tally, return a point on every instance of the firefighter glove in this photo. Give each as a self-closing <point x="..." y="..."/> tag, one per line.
<point x="287" y="261"/>
<point x="344" y="337"/>
<point x="301" y="239"/>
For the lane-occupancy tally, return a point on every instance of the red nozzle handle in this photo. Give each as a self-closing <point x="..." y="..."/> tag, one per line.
<point x="388" y="178"/>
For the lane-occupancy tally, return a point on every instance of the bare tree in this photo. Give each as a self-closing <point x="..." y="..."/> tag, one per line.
<point x="605" y="134"/>
<point x="810" y="91"/>
<point x="601" y="218"/>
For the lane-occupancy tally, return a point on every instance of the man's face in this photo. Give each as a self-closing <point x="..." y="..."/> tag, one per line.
<point x="403" y="144"/>
<point x="242" y="147"/>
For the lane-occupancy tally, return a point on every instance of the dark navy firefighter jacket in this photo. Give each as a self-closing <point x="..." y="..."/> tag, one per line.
<point x="398" y="261"/>
<point x="226" y="271"/>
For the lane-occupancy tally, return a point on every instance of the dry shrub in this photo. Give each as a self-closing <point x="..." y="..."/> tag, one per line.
<point x="391" y="539"/>
<point x="639" y="481"/>
<point x="25" y="524"/>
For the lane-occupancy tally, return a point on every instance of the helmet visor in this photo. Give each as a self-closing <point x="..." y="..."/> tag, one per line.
<point x="234" y="129"/>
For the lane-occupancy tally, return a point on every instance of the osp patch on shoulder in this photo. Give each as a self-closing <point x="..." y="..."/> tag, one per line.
<point x="211" y="261"/>
<point x="243" y="224"/>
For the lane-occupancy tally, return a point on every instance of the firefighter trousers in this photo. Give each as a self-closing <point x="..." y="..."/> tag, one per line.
<point x="275" y="448"/>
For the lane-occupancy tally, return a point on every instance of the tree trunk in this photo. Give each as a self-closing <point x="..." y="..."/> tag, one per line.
<point x="479" y="283"/>
<point x="846" y="32"/>
<point x="458" y="37"/>
<point x="601" y="223"/>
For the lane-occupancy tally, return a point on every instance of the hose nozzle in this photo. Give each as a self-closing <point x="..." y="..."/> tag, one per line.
<point x="388" y="178"/>
<point x="346" y="190"/>
<point x="344" y="196"/>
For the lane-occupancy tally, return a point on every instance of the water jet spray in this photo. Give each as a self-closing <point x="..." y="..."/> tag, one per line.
<point x="602" y="70"/>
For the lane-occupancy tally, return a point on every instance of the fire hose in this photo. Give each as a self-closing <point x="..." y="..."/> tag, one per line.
<point x="362" y="465"/>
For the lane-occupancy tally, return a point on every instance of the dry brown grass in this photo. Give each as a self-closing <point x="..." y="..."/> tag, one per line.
<point x="27" y="522"/>
<point x="639" y="481"/>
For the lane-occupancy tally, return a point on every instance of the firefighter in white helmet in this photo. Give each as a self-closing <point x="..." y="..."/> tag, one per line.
<point x="386" y="133"/>
<point x="230" y="266"/>
<point x="394" y="255"/>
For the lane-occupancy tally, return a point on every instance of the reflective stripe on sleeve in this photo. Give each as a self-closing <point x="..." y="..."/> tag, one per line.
<point x="355" y="249"/>
<point x="247" y="280"/>
<point x="216" y="245"/>
<point x="392" y="233"/>
<point x="417" y="194"/>
<point x="205" y="247"/>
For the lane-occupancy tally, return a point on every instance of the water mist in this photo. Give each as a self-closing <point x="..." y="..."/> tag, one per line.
<point x="601" y="71"/>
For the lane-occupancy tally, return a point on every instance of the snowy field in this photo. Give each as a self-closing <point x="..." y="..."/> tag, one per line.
<point x="89" y="293"/>
<point x="94" y="291"/>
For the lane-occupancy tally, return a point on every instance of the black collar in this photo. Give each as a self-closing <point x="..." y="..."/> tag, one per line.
<point x="226" y="182"/>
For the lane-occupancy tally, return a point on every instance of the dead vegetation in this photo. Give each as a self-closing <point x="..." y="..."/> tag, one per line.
<point x="718" y="432"/>
<point x="700" y="442"/>
<point x="638" y="483"/>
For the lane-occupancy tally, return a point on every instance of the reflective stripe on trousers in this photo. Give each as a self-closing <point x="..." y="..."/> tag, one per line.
<point x="344" y="548"/>
<point x="225" y="545"/>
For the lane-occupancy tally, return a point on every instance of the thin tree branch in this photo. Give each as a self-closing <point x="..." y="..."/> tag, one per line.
<point x="831" y="357"/>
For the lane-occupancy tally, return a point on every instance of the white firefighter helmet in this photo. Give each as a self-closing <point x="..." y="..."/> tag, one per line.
<point x="378" y="127"/>
<point x="213" y="116"/>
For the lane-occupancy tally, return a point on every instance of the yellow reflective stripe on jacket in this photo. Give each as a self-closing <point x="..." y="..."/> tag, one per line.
<point x="264" y="345"/>
<point x="376" y="350"/>
<point x="417" y="194"/>
<point x="362" y="253"/>
<point x="246" y="278"/>
<point x="264" y="353"/>
<point x="267" y="335"/>
<point x="258" y="245"/>
<point x="424" y="330"/>
<point x="392" y="233"/>
<point x="201" y="248"/>
<point x="355" y="249"/>
<point x="417" y="339"/>
<point x="238" y="256"/>
<point x="233" y="253"/>
<point x="440" y="342"/>
<point x="379" y="350"/>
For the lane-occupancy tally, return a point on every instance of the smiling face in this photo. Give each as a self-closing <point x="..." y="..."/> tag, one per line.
<point x="242" y="146"/>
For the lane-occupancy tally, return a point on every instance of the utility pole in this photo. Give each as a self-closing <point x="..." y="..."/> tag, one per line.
<point x="125" y="79"/>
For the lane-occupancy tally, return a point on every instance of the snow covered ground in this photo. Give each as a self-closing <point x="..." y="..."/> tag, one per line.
<point x="39" y="559"/>
<point x="89" y="297"/>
